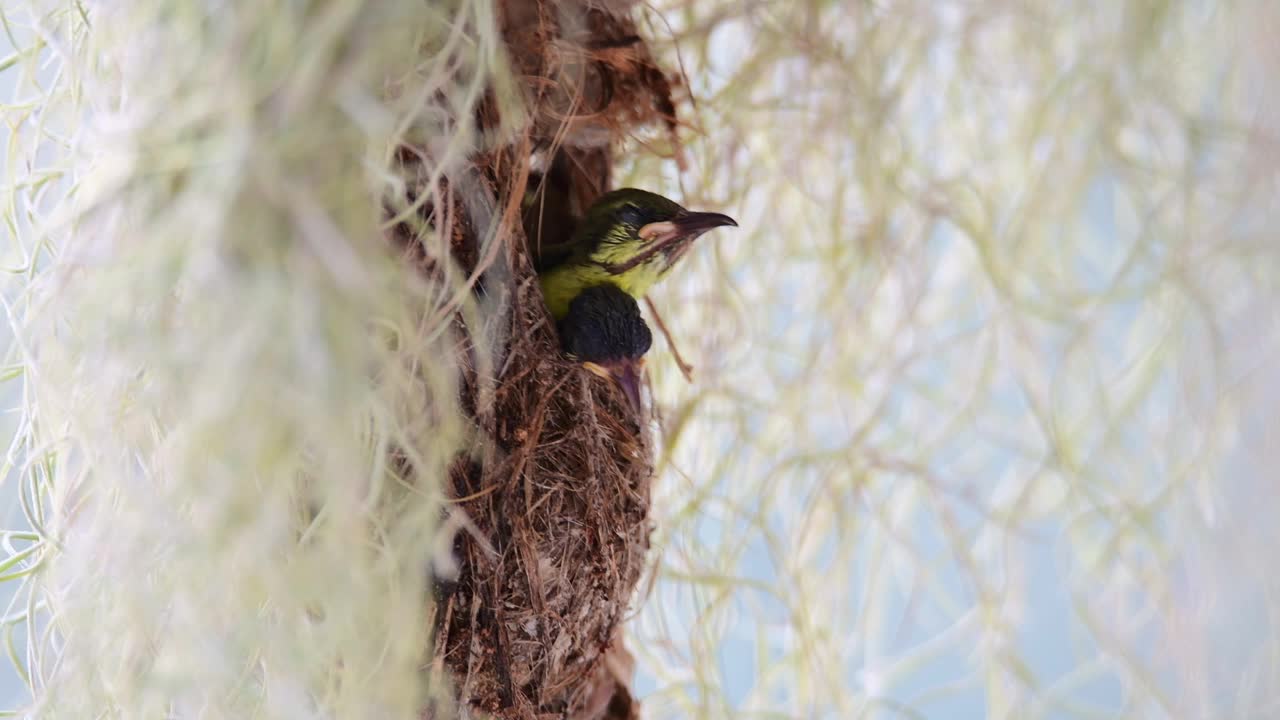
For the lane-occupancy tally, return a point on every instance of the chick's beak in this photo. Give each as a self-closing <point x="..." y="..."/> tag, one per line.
<point x="696" y="223"/>
<point x="625" y="374"/>
<point x="686" y="225"/>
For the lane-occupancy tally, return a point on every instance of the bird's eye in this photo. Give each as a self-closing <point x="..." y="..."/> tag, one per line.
<point x="631" y="215"/>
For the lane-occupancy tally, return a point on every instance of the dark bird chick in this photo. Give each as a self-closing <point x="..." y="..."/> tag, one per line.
<point x="604" y="331"/>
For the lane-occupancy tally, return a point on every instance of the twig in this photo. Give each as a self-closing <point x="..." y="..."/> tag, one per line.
<point x="685" y="368"/>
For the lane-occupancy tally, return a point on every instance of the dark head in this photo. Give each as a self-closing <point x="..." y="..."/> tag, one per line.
<point x="636" y="226"/>
<point x="604" y="331"/>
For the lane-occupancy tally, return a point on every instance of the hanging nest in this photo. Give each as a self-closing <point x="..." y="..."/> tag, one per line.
<point x="555" y="496"/>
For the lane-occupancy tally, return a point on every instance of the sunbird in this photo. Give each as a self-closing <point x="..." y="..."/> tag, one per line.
<point x="628" y="238"/>
<point x="604" y="331"/>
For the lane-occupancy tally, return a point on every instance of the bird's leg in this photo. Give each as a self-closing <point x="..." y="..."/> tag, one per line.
<point x="685" y="368"/>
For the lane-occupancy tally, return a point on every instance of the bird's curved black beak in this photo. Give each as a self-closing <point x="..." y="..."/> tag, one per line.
<point x="684" y="227"/>
<point x="696" y="223"/>
<point x="625" y="374"/>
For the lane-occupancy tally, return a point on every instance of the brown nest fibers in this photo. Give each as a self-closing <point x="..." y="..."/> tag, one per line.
<point x="556" y="492"/>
